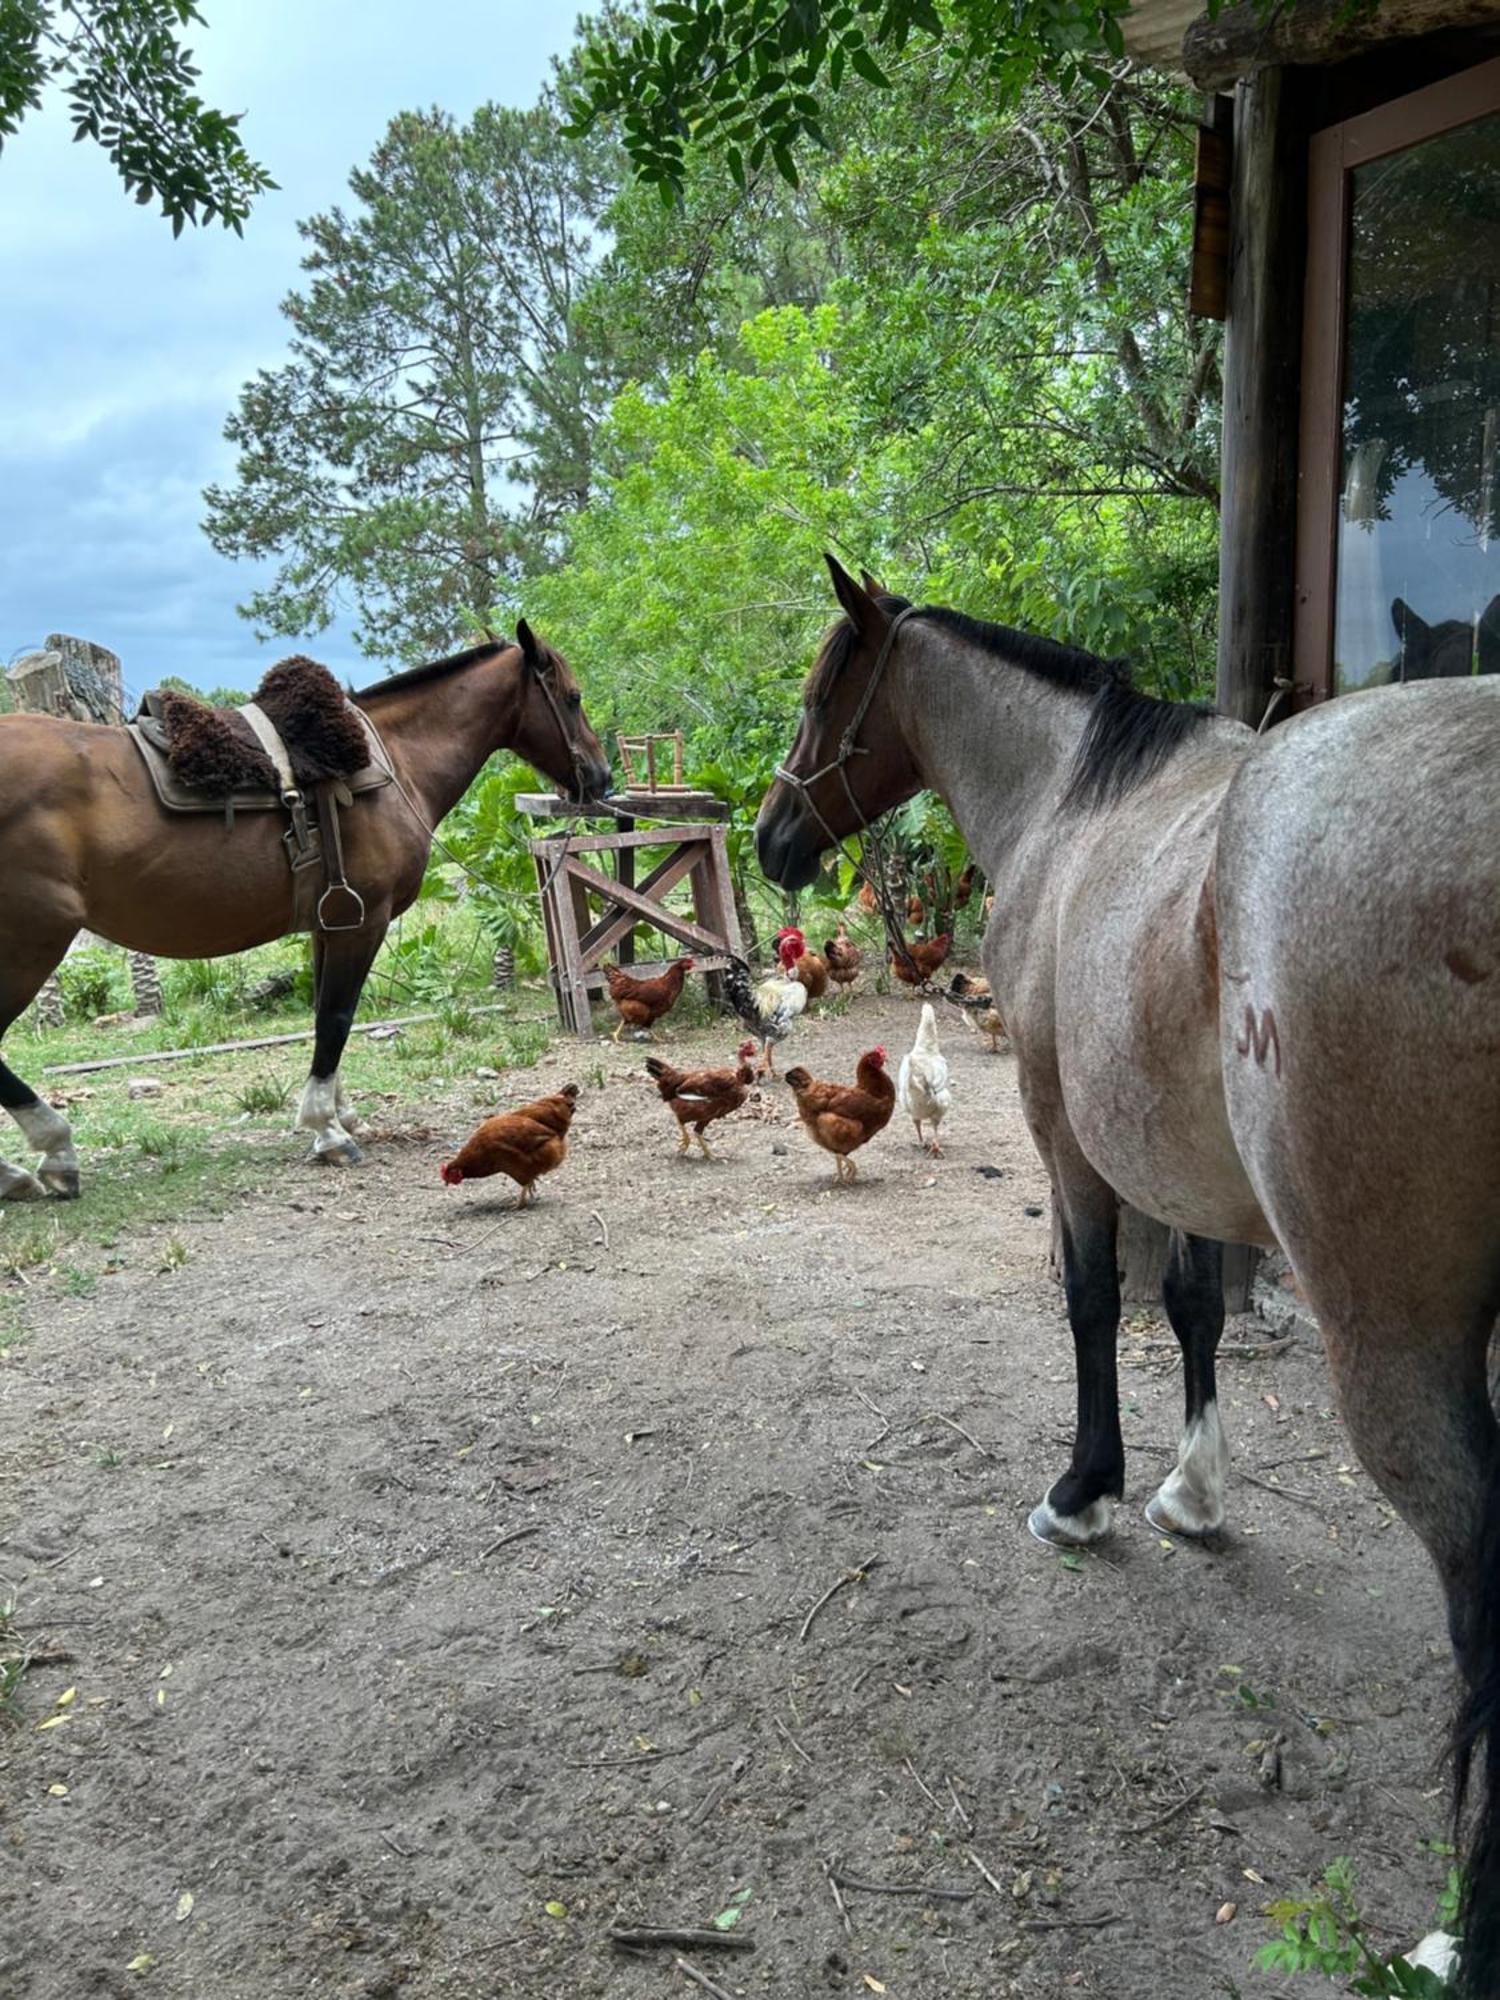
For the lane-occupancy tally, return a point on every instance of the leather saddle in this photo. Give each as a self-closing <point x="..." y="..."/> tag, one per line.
<point x="322" y="897"/>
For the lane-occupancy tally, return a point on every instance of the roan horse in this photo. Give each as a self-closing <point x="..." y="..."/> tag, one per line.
<point x="85" y="844"/>
<point x="1254" y="989"/>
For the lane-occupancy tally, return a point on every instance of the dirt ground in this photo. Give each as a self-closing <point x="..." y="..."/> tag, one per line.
<point x="440" y="1587"/>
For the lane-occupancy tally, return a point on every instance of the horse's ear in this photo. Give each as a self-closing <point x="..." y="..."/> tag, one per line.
<point x="873" y="587"/>
<point x="859" y="605"/>
<point x="1408" y="625"/>
<point x="531" y="650"/>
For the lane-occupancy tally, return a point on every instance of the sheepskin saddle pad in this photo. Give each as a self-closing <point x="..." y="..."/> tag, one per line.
<point x="215" y="751"/>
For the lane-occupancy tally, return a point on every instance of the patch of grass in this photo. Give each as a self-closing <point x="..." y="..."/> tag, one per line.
<point x="108" y="1459"/>
<point x="13" y="1329"/>
<point x="174" y="1255"/>
<point x="262" y="1097"/>
<point x="79" y="1284"/>
<point x="13" y="1661"/>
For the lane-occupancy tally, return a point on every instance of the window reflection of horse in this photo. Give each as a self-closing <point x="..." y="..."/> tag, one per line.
<point x="84" y="843"/>
<point x="1446" y="651"/>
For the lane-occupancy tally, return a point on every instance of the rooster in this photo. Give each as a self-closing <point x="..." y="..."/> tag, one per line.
<point x="769" y="1008"/>
<point x="698" y="1096"/>
<point x="922" y="1082"/>
<point x="915" y="963"/>
<point x="525" y="1144"/>
<point x="843" y="958"/>
<point x="641" y="1003"/>
<point x="841" y="1119"/>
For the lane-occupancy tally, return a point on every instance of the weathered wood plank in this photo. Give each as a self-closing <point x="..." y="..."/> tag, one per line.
<point x="647" y="911"/>
<point x="607" y="843"/>
<point x="1262" y="391"/>
<point x="1243" y="40"/>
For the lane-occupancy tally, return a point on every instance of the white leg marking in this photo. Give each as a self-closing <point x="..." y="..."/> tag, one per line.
<point x="1190" y="1500"/>
<point x="318" y="1114"/>
<point x="1072" y="1530"/>
<point x="50" y="1134"/>
<point x="348" y="1117"/>
<point x="18" y="1185"/>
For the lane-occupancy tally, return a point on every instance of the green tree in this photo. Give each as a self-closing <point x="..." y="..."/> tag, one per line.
<point x="743" y="77"/>
<point x="435" y="420"/>
<point x="129" y="84"/>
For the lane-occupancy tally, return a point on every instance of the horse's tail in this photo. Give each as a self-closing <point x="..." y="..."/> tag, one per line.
<point x="1479" y="1732"/>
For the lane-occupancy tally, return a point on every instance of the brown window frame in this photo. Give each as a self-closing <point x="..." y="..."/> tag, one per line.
<point x="1333" y="155"/>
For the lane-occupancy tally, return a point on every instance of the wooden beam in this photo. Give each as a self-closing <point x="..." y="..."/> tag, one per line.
<point x="1243" y="40"/>
<point x="1208" y="275"/>
<point x="1262" y="384"/>
<point x="620" y="924"/>
<point x="646" y="911"/>
<point x="597" y="843"/>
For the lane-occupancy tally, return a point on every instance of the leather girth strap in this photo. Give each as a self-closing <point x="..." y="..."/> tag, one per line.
<point x="304" y="847"/>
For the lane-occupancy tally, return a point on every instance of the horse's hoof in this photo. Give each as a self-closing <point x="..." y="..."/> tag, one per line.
<point x="344" y="1154"/>
<point x="1175" y="1520"/>
<point x="18" y="1185"/>
<point x="61" y="1182"/>
<point x="1071" y="1531"/>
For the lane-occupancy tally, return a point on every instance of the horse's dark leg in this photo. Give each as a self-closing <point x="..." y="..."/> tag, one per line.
<point x="46" y="1130"/>
<point x="1080" y="1506"/>
<point x="341" y="962"/>
<point x="1191" y="1498"/>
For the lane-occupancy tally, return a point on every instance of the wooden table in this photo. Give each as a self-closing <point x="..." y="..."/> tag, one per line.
<point x="689" y="825"/>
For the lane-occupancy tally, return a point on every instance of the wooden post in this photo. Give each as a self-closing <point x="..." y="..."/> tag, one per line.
<point x="1262" y="393"/>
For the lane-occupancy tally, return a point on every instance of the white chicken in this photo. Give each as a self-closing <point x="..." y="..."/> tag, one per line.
<point x="922" y="1082"/>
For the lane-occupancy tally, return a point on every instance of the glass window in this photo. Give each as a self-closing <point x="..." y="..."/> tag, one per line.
<point x="1418" y="586"/>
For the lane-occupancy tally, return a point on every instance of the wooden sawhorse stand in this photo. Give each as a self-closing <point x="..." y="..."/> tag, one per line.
<point x="569" y="873"/>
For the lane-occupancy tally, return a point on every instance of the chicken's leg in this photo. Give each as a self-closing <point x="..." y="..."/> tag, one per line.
<point x="619" y="1029"/>
<point x="703" y="1146"/>
<point x="918" y="1123"/>
<point x="684" y="1139"/>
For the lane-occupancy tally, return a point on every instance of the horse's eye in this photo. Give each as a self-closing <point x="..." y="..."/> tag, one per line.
<point x="575" y="699"/>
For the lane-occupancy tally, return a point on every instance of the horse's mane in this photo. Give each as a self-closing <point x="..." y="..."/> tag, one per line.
<point x="1128" y="737"/>
<point x="434" y="669"/>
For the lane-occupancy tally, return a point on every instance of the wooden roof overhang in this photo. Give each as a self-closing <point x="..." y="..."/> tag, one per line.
<point x="1176" y="35"/>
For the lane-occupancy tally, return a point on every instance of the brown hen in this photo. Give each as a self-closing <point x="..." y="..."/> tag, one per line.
<point x="841" y="1118"/>
<point x="525" y="1143"/>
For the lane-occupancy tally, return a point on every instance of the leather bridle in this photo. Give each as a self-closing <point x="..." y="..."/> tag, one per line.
<point x="544" y="675"/>
<point x="848" y="749"/>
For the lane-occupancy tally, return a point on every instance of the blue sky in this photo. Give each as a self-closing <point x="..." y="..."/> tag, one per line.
<point x="122" y="351"/>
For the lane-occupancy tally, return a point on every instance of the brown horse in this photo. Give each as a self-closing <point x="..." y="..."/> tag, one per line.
<point x="84" y="844"/>
<point x="1253" y="985"/>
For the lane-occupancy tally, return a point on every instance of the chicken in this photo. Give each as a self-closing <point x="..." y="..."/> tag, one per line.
<point x="922" y="1082"/>
<point x="841" y="1119"/>
<point x="641" y="1003"/>
<point x="525" y="1144"/>
<point x="916" y="913"/>
<point x="769" y="1008"/>
<point x="698" y="1096"/>
<point x="869" y="902"/>
<point x="812" y="972"/>
<point x="923" y="954"/>
<point x="981" y="1012"/>
<point x="843" y="958"/>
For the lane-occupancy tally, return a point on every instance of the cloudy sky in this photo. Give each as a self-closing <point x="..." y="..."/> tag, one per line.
<point x="122" y="351"/>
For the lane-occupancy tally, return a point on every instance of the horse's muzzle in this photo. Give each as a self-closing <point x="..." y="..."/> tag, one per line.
<point x="593" y="781"/>
<point x="787" y="842"/>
